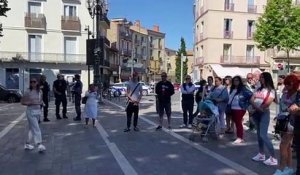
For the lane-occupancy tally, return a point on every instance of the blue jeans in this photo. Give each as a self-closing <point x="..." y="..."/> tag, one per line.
<point x="262" y="121"/>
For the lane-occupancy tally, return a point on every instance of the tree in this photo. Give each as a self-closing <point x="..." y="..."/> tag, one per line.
<point x="279" y="28"/>
<point x="3" y="10"/>
<point x="181" y="51"/>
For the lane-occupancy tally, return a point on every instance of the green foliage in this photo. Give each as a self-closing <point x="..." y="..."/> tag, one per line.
<point x="279" y="27"/>
<point x="182" y="50"/>
<point x="3" y="10"/>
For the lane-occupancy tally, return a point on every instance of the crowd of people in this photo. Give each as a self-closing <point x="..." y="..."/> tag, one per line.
<point x="233" y="97"/>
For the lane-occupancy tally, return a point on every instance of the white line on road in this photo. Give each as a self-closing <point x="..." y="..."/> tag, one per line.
<point x="210" y="153"/>
<point x="121" y="159"/>
<point x="11" y="125"/>
<point x="5" y="106"/>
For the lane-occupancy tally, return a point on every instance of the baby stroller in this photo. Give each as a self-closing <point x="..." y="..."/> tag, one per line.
<point x="207" y="122"/>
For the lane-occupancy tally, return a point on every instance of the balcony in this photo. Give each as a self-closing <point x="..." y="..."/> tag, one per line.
<point x="228" y="34"/>
<point x="126" y="36"/>
<point x="252" y="9"/>
<point x="72" y="1"/>
<point x="199" y="61"/>
<point x="42" y="57"/>
<point x="125" y="52"/>
<point x="240" y="60"/>
<point x="71" y="23"/>
<point x="137" y="42"/>
<point x="35" y="21"/>
<point x="249" y="35"/>
<point x="144" y="44"/>
<point x="229" y="7"/>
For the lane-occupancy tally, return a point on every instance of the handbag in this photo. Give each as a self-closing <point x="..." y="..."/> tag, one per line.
<point x="282" y="124"/>
<point x="84" y="100"/>
<point x="127" y="102"/>
<point x="228" y="106"/>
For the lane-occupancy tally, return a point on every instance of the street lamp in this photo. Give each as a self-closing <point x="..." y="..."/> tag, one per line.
<point x="87" y="28"/>
<point x="95" y="8"/>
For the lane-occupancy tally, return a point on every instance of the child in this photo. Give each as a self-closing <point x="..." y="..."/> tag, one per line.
<point x="90" y="109"/>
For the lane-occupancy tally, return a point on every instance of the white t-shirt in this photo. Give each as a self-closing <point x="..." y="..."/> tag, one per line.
<point x="138" y="91"/>
<point x="259" y="96"/>
<point x="234" y="102"/>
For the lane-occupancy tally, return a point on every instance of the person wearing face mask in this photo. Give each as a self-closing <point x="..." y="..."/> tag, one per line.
<point x="187" y="89"/>
<point x="164" y="90"/>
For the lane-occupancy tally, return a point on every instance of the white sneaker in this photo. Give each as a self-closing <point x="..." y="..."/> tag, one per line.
<point x="41" y="148"/>
<point x="259" y="157"/>
<point x="28" y="147"/>
<point x="182" y="126"/>
<point x="190" y="126"/>
<point x="271" y="161"/>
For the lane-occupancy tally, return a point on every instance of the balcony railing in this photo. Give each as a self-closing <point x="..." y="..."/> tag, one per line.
<point x="239" y="60"/>
<point x="199" y="61"/>
<point x="70" y="23"/>
<point x="35" y="20"/>
<point x="229" y="7"/>
<point x="126" y="52"/>
<point x="42" y="57"/>
<point x="249" y="35"/>
<point x="228" y="34"/>
<point x="126" y="36"/>
<point x="252" y="8"/>
<point x="144" y="44"/>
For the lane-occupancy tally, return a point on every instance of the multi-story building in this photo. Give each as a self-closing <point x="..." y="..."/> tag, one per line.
<point x="223" y="43"/>
<point x="140" y="50"/>
<point x="37" y="41"/>
<point x="121" y="36"/>
<point x="170" y="57"/>
<point x="158" y="63"/>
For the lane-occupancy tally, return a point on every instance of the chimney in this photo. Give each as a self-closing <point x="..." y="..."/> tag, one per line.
<point x="156" y="28"/>
<point x="137" y="23"/>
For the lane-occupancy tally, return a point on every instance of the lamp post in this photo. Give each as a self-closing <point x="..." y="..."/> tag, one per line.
<point x="87" y="28"/>
<point x="182" y="59"/>
<point x="95" y="8"/>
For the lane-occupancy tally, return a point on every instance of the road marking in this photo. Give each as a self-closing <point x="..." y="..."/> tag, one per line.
<point x="3" y="107"/>
<point x="210" y="153"/>
<point x="121" y="159"/>
<point x="11" y="125"/>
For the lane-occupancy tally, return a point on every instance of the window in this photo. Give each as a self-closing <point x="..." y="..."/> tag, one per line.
<point x="34" y="8"/>
<point x="226" y="52"/>
<point x="250" y="53"/>
<point x="250" y="2"/>
<point x="35" y="47"/>
<point x="202" y="27"/>
<point x="70" y="10"/>
<point x="70" y="49"/>
<point x="227" y="24"/>
<point x="250" y="28"/>
<point x="228" y="5"/>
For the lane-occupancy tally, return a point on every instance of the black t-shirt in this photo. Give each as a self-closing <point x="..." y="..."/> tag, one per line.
<point x="60" y="86"/>
<point x="164" y="91"/>
<point x="45" y="88"/>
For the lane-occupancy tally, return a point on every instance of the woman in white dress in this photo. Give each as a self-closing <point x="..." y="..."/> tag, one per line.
<point x="91" y="106"/>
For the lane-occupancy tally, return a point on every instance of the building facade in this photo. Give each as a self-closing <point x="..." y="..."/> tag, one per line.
<point x="223" y="38"/>
<point x="37" y="41"/>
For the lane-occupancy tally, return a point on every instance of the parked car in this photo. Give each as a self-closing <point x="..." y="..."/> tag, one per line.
<point x="146" y="89"/>
<point x="10" y="95"/>
<point x="122" y="87"/>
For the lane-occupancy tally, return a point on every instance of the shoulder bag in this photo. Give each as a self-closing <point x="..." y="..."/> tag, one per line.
<point x="228" y="107"/>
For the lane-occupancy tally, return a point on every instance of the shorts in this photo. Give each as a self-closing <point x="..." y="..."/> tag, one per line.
<point x="164" y="107"/>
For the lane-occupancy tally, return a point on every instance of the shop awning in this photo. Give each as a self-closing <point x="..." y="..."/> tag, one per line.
<point x="222" y="71"/>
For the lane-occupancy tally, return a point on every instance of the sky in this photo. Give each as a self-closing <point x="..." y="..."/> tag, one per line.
<point x="174" y="17"/>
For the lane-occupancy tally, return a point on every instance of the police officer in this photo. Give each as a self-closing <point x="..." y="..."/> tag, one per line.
<point x="44" y="86"/>
<point x="77" y="92"/>
<point x="59" y="89"/>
